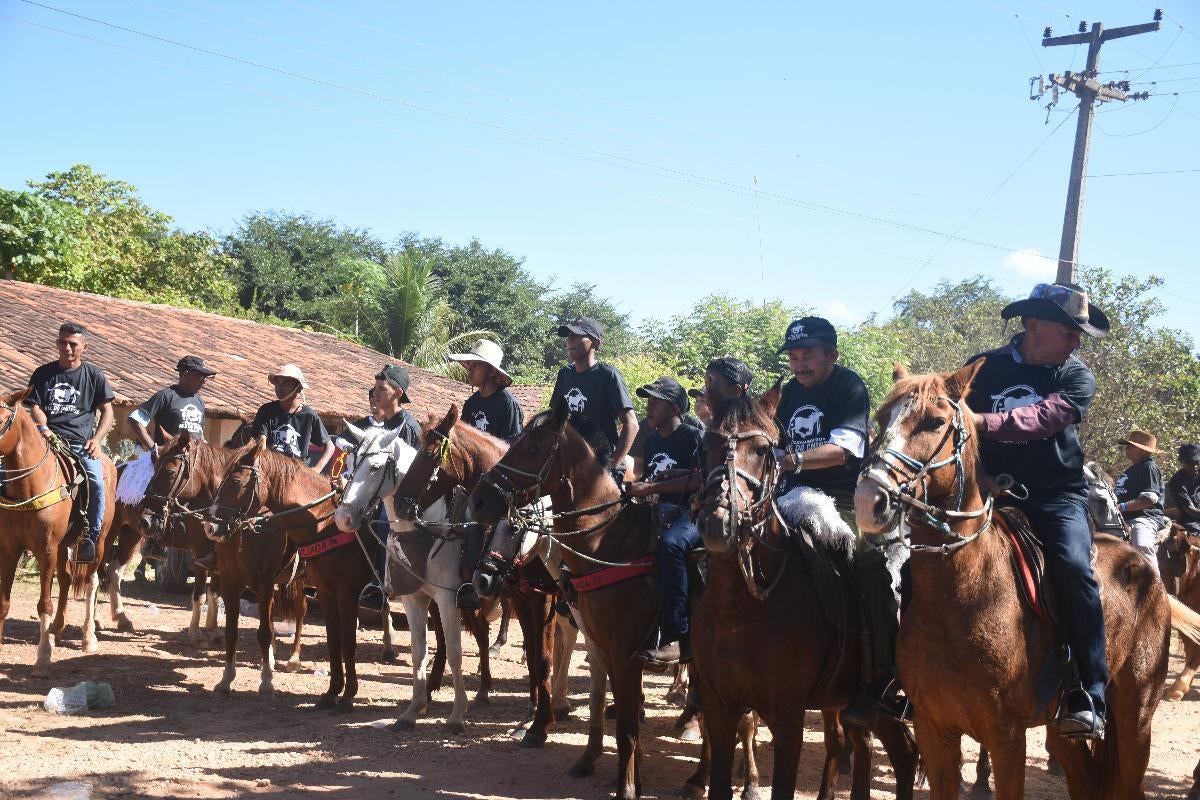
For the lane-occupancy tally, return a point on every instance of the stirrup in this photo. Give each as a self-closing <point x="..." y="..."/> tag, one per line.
<point x="1077" y="731"/>
<point x="895" y="703"/>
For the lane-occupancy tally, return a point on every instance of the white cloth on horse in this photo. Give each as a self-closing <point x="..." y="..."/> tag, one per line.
<point x="815" y="511"/>
<point x="135" y="477"/>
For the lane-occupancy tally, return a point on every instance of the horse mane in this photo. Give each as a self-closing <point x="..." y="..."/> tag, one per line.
<point x="278" y="470"/>
<point x="576" y="447"/>
<point x="924" y="392"/>
<point x="743" y="413"/>
<point x="483" y="438"/>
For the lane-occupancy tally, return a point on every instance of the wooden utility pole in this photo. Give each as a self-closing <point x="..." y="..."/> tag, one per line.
<point x="1087" y="88"/>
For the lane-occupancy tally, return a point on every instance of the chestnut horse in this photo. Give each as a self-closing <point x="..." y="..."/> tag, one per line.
<point x="1186" y="550"/>
<point x="454" y="453"/>
<point x="36" y="515"/>
<point x="970" y="651"/>
<point x="752" y="649"/>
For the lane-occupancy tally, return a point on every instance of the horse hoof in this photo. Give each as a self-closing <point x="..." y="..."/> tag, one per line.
<point x="344" y="706"/>
<point x="582" y="769"/>
<point x="1175" y="695"/>
<point x="404" y="724"/>
<point x="266" y="691"/>
<point x="677" y="697"/>
<point x="389" y="657"/>
<point x="125" y="625"/>
<point x="1053" y="767"/>
<point x="223" y="691"/>
<point x="692" y="792"/>
<point x="533" y="739"/>
<point x="90" y="646"/>
<point x="981" y="791"/>
<point x="561" y="714"/>
<point x="455" y="728"/>
<point x="480" y="702"/>
<point x="753" y="793"/>
<point x="325" y="702"/>
<point x="40" y="671"/>
<point x="690" y="731"/>
<point x="494" y="651"/>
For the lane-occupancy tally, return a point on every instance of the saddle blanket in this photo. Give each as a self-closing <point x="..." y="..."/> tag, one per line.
<point x="135" y="477"/>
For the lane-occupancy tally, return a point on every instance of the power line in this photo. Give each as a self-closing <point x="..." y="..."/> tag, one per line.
<point x="1148" y="172"/>
<point x="1147" y="69"/>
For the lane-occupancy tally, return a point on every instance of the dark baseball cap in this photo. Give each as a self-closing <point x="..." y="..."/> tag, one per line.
<point x="583" y="326"/>
<point x="732" y="370"/>
<point x="397" y="377"/>
<point x="194" y="364"/>
<point x="667" y="389"/>
<point x="809" y="332"/>
<point x="1189" y="453"/>
<point x="697" y="393"/>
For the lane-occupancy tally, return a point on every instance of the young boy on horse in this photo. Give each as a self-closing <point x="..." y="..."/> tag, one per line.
<point x="1029" y="398"/>
<point x="66" y="395"/>
<point x="595" y="394"/>
<point x="492" y="409"/>
<point x="823" y="417"/>
<point x="1141" y="493"/>
<point x="176" y="408"/>
<point x="287" y="423"/>
<point x="1184" y="489"/>
<point x="671" y="474"/>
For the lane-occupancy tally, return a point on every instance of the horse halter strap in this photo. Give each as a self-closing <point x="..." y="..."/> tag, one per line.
<point x="252" y="487"/>
<point x="510" y="492"/>
<point x="177" y="483"/>
<point x="909" y="475"/>
<point x="8" y="423"/>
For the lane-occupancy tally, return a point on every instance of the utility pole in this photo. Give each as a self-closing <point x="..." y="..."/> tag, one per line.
<point x="1088" y="89"/>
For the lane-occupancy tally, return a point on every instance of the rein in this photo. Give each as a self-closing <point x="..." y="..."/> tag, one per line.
<point x="257" y="524"/>
<point x="902" y="477"/>
<point x="39" y="501"/>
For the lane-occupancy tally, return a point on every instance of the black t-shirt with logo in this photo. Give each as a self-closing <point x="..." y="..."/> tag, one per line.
<point x="70" y="398"/>
<point x="1003" y="384"/>
<point x="410" y="429"/>
<point x="806" y="417"/>
<point x="171" y="411"/>
<point x="594" y="398"/>
<point x="680" y="450"/>
<point x="497" y="414"/>
<point x="1143" y="476"/>
<point x="290" y="434"/>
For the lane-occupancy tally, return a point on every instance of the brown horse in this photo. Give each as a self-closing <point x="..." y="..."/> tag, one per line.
<point x="460" y="454"/>
<point x="969" y="650"/>
<point x="36" y="515"/>
<point x="299" y="506"/>
<point x="1186" y="548"/>
<point x="550" y="457"/>
<point x="752" y="648"/>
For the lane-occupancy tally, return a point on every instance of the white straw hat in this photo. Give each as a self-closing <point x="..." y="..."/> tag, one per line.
<point x="489" y="353"/>
<point x="288" y="371"/>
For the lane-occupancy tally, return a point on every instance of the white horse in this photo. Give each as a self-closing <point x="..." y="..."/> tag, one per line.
<point x="379" y="463"/>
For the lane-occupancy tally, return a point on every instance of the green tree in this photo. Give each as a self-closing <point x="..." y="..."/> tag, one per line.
<point x="941" y="329"/>
<point x="871" y="350"/>
<point x="581" y="300"/>
<point x="38" y="240"/>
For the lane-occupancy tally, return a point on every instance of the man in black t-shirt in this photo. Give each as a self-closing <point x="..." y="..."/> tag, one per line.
<point x="1184" y="488"/>
<point x="492" y="407"/>
<point x="176" y="408"/>
<point x="66" y="395"/>
<point x="595" y="394"/>
<point x="671" y="474"/>
<point x="287" y="423"/>
<point x="1141" y="492"/>
<point x="1029" y="397"/>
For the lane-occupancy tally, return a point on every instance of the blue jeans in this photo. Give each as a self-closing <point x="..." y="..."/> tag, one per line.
<point x="1061" y="522"/>
<point x="673" y="547"/>
<point x="96" y="498"/>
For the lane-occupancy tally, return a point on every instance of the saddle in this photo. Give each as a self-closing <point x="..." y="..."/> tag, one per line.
<point x="1029" y="563"/>
<point x="75" y="482"/>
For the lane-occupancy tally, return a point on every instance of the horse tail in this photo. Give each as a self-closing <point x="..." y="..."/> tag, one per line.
<point x="287" y="599"/>
<point x="80" y="578"/>
<point x="1184" y="620"/>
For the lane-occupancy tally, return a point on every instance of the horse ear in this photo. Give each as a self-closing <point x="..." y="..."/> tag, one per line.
<point x="770" y="400"/>
<point x="899" y="372"/>
<point x="451" y="419"/>
<point x="959" y="383"/>
<point x="388" y="438"/>
<point x="258" y="444"/>
<point x="17" y="396"/>
<point x="561" y="413"/>
<point x="184" y="437"/>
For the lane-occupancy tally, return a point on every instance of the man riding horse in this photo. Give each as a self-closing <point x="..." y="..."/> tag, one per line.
<point x="287" y="423"/>
<point x="1141" y="493"/>
<point x="1184" y="489"/>
<point x="66" y="395"/>
<point x="671" y="474"/>
<point x="173" y="409"/>
<point x="1036" y="442"/>
<point x="823" y="415"/>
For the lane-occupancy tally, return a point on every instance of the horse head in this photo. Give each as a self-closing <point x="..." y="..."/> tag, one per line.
<point x="174" y="479"/>
<point x="507" y="547"/>
<point x="431" y="474"/>
<point x="925" y="455"/>
<point x="739" y="448"/>
<point x="376" y="466"/>
<point x="242" y="488"/>
<point x="10" y="412"/>
<point x="533" y="466"/>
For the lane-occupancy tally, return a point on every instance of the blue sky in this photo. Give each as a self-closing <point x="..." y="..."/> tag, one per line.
<point x="818" y="155"/>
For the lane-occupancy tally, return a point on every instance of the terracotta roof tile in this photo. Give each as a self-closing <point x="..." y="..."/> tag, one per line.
<point x="138" y="345"/>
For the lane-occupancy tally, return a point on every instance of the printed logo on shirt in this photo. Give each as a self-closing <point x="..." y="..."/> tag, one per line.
<point x="480" y="421"/>
<point x="285" y="440"/>
<point x="805" y="423"/>
<point x="1122" y="479"/>
<point x="63" y="399"/>
<point x="660" y="463"/>
<point x="576" y="400"/>
<point x="1018" y="396"/>
<point x="191" y="419"/>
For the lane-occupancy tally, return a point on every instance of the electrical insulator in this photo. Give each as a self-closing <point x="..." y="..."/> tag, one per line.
<point x="1082" y="26"/>
<point x="1158" y="15"/>
<point x="1046" y="34"/>
<point x="1124" y="86"/>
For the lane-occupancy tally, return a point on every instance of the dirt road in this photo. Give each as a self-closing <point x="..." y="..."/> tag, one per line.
<point x="168" y="736"/>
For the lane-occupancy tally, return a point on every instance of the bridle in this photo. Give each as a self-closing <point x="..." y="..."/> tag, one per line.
<point x="240" y="516"/>
<point x="500" y="478"/>
<point x="746" y="527"/>
<point x="171" y="505"/>
<point x="10" y="475"/>
<point x="390" y="468"/>
<point x="904" y="480"/>
<point x="444" y="456"/>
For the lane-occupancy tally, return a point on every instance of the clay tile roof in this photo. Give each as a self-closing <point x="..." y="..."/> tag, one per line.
<point x="138" y="344"/>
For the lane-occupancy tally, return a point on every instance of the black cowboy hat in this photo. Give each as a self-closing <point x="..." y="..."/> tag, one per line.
<point x="1064" y="303"/>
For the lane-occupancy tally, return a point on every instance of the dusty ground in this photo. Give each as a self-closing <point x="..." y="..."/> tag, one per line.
<point x="169" y="737"/>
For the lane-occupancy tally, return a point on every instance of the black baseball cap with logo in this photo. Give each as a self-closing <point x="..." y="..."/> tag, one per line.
<point x="667" y="389"/>
<point x="396" y="377"/>
<point x="583" y="326"/>
<point x="732" y="370"/>
<point x="809" y="332"/>
<point x="194" y="364"/>
<point x="1189" y="454"/>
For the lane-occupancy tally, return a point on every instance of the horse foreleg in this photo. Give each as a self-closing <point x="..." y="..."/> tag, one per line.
<point x="63" y="574"/>
<point x="9" y="556"/>
<point x="901" y="750"/>
<point x="299" y="611"/>
<point x="597" y="699"/>
<point x="451" y="624"/>
<point x="199" y="589"/>
<point x="1183" y="684"/>
<point x="1007" y="753"/>
<point x="46" y="635"/>
<point x="565" y="637"/>
<point x="537" y="638"/>
<point x="942" y="753"/>
<point x="416" y="608"/>
<point x="479" y="630"/>
<point x="389" y="636"/>
<point x="90" y="643"/>
<point x="747" y="732"/>
<point x="787" y="735"/>
<point x="266" y="638"/>
<point x="116" y="603"/>
<point x="627" y="696"/>
<point x="334" y="634"/>
<point x="437" y="672"/>
<point x="834" y="737"/>
<point x="347" y="606"/>
<point x="697" y="783"/>
<point x="720" y="727"/>
<point x="502" y="634"/>
<point x="232" y="596"/>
